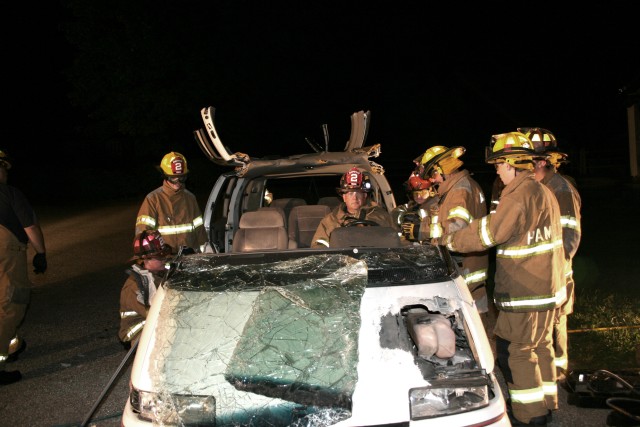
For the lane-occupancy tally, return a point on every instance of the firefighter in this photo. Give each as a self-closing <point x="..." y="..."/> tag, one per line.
<point x="18" y="227"/>
<point x="529" y="278"/>
<point x="459" y="201"/>
<point x="569" y="201"/>
<point x="355" y="188"/>
<point x="421" y="195"/>
<point x="172" y="209"/>
<point x="149" y="253"/>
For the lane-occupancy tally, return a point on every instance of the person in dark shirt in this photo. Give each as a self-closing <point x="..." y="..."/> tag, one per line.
<point x="18" y="227"/>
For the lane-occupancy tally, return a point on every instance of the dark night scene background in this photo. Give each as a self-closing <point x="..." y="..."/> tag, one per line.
<point x="100" y="91"/>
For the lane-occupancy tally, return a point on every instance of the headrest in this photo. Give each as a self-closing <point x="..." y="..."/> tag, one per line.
<point x="261" y="219"/>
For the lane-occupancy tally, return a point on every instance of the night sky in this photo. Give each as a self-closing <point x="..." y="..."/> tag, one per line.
<point x="276" y="71"/>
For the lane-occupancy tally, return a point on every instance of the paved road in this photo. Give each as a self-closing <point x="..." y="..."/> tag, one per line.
<point x="72" y="323"/>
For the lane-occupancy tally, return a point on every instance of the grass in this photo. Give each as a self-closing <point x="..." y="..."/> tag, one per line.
<point x="604" y="332"/>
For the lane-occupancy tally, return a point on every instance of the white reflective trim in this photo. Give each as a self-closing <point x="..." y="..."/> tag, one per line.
<point x="175" y="229"/>
<point x="323" y="242"/>
<point x="549" y="388"/>
<point x="197" y="222"/>
<point x="460" y="212"/>
<point x="527" y="396"/>
<point x="485" y="234"/>
<point x="561" y="296"/>
<point x="528" y="250"/>
<point x="146" y="220"/>
<point x="476" y="276"/>
<point x="569" y="222"/>
<point x="3" y="357"/>
<point x="124" y="314"/>
<point x="561" y="362"/>
<point x="536" y="302"/>
<point x="134" y="330"/>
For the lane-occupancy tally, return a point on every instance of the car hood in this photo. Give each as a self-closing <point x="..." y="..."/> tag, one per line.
<point x="317" y="335"/>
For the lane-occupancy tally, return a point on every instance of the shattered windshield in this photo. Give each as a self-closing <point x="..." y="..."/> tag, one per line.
<point x="275" y="338"/>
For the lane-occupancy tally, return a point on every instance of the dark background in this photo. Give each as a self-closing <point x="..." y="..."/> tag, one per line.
<point x="100" y="91"/>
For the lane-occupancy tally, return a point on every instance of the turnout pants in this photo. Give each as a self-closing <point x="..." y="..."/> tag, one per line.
<point x="560" y="336"/>
<point x="14" y="289"/>
<point x="526" y="358"/>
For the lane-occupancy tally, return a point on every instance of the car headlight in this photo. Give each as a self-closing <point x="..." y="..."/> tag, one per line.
<point x="448" y="396"/>
<point x="174" y="409"/>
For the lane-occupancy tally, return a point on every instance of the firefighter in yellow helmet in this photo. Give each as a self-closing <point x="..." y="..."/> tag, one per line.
<point x="529" y="277"/>
<point x="172" y="209"/>
<point x="459" y="200"/>
<point x="547" y="161"/>
<point x="19" y="228"/>
<point x="149" y="253"/>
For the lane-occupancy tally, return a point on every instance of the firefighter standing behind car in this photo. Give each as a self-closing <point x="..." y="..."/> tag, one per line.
<point x="569" y="201"/>
<point x="529" y="278"/>
<point x="172" y="209"/>
<point x="356" y="206"/>
<point x="460" y="201"/>
<point x="18" y="227"/>
<point x="149" y="253"/>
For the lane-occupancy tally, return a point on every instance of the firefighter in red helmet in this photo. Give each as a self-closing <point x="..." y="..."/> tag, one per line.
<point x="149" y="253"/>
<point x="355" y="188"/>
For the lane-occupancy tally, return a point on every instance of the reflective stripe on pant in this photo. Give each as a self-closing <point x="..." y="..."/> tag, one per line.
<point x="526" y="358"/>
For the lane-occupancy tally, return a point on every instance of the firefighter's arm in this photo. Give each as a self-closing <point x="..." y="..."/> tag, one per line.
<point x="36" y="238"/>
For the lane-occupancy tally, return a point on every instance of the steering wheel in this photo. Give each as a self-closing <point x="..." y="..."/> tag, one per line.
<point x="361" y="223"/>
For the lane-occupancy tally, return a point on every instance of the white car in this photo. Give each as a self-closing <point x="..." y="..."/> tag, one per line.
<point x="265" y="331"/>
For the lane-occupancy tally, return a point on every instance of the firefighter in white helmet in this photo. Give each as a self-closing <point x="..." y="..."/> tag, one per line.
<point x="172" y="209"/>
<point x="529" y="278"/>
<point x="569" y="201"/>
<point x="149" y="253"/>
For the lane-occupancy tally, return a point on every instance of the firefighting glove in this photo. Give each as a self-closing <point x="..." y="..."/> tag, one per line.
<point x="186" y="250"/>
<point x="411" y="229"/>
<point x="40" y="263"/>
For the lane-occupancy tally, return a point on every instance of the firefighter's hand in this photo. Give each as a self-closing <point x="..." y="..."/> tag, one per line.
<point x="411" y="229"/>
<point x="40" y="263"/>
<point x="188" y="251"/>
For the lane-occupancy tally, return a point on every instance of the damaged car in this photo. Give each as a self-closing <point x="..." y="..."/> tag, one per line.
<point x="262" y="330"/>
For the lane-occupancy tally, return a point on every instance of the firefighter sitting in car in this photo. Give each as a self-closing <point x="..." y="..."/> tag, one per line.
<point x="149" y="253"/>
<point x="356" y="208"/>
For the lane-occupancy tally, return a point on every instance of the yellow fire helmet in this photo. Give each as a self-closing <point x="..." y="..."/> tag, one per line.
<point x="5" y="160"/>
<point x="513" y="148"/>
<point x="439" y="159"/>
<point x="545" y="142"/>
<point x="174" y="164"/>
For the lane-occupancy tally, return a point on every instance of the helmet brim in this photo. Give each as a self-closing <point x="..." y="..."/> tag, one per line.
<point x="454" y="152"/>
<point x="342" y="191"/>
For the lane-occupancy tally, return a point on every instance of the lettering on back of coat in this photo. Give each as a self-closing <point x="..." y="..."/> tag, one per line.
<point x="539" y="235"/>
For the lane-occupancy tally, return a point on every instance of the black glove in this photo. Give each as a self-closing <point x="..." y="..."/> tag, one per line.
<point x="411" y="229"/>
<point x="187" y="251"/>
<point x="40" y="263"/>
